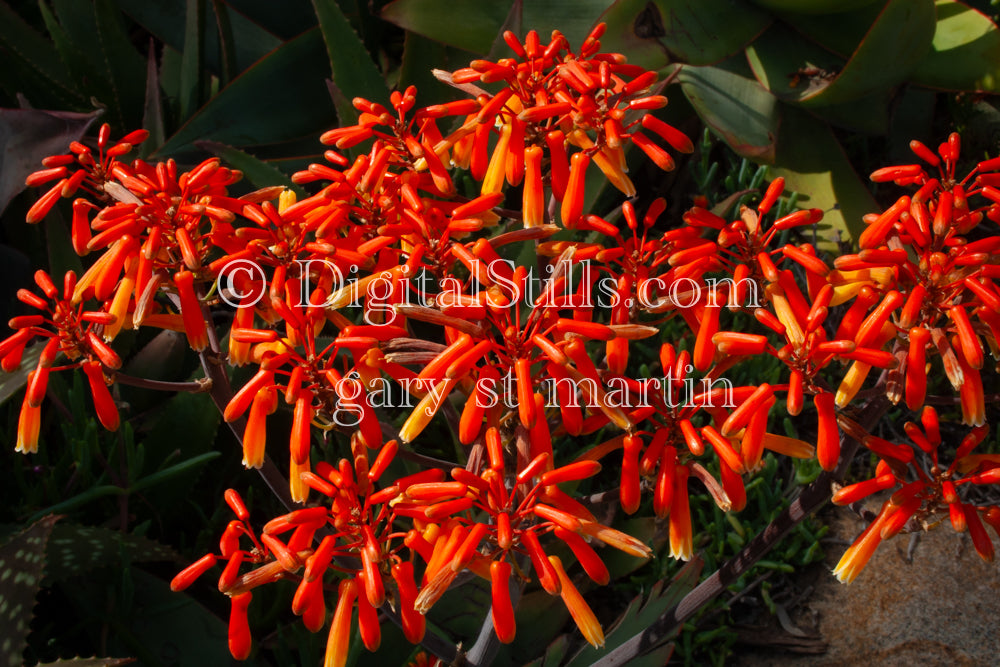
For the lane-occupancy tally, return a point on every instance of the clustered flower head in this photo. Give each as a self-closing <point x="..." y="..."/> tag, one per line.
<point x="386" y="288"/>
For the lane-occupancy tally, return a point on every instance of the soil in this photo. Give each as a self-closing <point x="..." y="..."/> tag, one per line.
<point x="942" y="608"/>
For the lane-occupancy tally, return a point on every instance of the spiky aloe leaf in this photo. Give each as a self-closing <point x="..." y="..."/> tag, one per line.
<point x="22" y="563"/>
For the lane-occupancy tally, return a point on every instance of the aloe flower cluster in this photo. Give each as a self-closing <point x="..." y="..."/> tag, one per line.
<point x="389" y="291"/>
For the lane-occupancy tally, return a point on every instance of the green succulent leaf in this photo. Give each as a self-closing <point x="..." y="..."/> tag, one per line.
<point x="965" y="52"/>
<point x="354" y="72"/>
<point x="813" y="164"/>
<point x="473" y="25"/>
<point x="88" y="662"/>
<point x="696" y="32"/>
<point x="801" y="71"/>
<point x="28" y="136"/>
<point x="813" y="6"/>
<point x="790" y="66"/>
<point x="165" y="19"/>
<point x="125" y="68"/>
<point x="467" y="24"/>
<point x="73" y="550"/>
<point x="256" y="171"/>
<point x="22" y="562"/>
<point x="736" y="108"/>
<point x="639" y="615"/>
<point x="284" y="75"/>
<point x="32" y="66"/>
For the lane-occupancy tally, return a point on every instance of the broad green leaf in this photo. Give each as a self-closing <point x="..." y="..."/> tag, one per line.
<point x="736" y="108"/>
<point x="965" y="53"/>
<point x="256" y="171"/>
<point x="896" y="42"/>
<point x="22" y="563"/>
<point x="173" y="471"/>
<point x="164" y="623"/>
<point x="286" y="19"/>
<point x="813" y="6"/>
<point x="32" y="66"/>
<point x="165" y="20"/>
<point x="75" y="50"/>
<point x="840" y="33"/>
<point x="88" y="662"/>
<point x="354" y="72"/>
<point x="285" y="96"/>
<point x="814" y="165"/>
<point x="790" y="66"/>
<point x="74" y="549"/>
<point x="422" y="55"/>
<point x="696" y="32"/>
<point x="152" y="111"/>
<point x="192" y="83"/>
<point x="471" y="25"/>
<point x="573" y="18"/>
<point x="126" y="68"/>
<point x="539" y="618"/>
<point x="642" y="612"/>
<point x="227" y="46"/>
<point x="28" y="136"/>
<point x="869" y="115"/>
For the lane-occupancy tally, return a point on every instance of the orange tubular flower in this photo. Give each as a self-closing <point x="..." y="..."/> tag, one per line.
<point x="859" y="553"/>
<point x="581" y="612"/>
<point x="337" y="644"/>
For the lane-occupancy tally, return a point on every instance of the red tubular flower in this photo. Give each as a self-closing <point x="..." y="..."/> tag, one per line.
<point x="239" y="628"/>
<point x="502" y="609"/>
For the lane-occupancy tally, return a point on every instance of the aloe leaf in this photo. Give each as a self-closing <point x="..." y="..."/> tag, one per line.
<point x="696" y="32"/>
<point x="639" y="615"/>
<point x="256" y="171"/>
<point x="31" y="61"/>
<point x="353" y="70"/>
<point x="22" y="562"/>
<point x="125" y="67"/>
<point x="790" y="66"/>
<point x="192" y="83"/>
<point x="814" y="165"/>
<point x="471" y="25"/>
<point x="297" y="102"/>
<point x="813" y="6"/>
<point x="28" y="136"/>
<point x="152" y="111"/>
<point x="88" y="662"/>
<point x="165" y="20"/>
<point x="74" y="549"/>
<point x="869" y="115"/>
<point x="896" y="42"/>
<point x="965" y="52"/>
<point x="736" y="108"/>
<point x="285" y="19"/>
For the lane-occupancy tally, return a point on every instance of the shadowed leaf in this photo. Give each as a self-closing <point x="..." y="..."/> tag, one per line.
<point x="736" y="108"/>
<point x="965" y="53"/>
<point x="296" y="101"/>
<point x="28" y="136"/>
<point x="22" y="562"/>
<point x="697" y="32"/>
<point x="72" y="550"/>
<point x="639" y="615"/>
<point x="814" y="165"/>
<point x="353" y="70"/>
